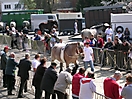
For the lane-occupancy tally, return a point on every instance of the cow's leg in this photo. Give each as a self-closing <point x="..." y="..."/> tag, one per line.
<point x="61" y="67"/>
<point x="74" y="70"/>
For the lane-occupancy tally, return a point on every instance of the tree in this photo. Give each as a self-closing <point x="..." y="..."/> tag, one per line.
<point x="87" y="3"/>
<point x="28" y="4"/>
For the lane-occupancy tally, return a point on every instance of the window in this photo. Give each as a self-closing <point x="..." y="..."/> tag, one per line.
<point x="17" y="6"/>
<point x="50" y="17"/>
<point x="7" y="6"/>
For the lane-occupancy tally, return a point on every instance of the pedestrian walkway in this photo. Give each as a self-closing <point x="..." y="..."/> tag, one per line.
<point x="100" y="75"/>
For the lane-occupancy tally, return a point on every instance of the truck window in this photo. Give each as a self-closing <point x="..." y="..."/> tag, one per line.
<point x="50" y="17"/>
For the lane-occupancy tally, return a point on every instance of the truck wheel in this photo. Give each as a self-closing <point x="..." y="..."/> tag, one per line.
<point x="65" y="33"/>
<point x="72" y="33"/>
<point x="120" y="28"/>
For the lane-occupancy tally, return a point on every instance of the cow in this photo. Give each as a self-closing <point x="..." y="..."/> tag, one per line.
<point x="68" y="53"/>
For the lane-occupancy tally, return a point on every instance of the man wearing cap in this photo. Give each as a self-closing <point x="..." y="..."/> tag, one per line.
<point x="88" y="56"/>
<point x="3" y="64"/>
<point x="23" y="71"/>
<point x="10" y="73"/>
<point x="62" y="83"/>
<point x="48" y="81"/>
<point x="87" y="87"/>
<point x="111" y="87"/>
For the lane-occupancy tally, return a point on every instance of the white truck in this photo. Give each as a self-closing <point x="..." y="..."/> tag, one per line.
<point x="44" y="19"/>
<point x="121" y="22"/>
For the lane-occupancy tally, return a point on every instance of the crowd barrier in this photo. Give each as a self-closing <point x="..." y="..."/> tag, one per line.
<point x="112" y="58"/>
<point x="100" y="96"/>
<point x="32" y="44"/>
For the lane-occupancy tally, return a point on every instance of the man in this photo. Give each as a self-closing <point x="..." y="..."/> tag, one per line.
<point x="3" y="64"/>
<point x="109" y="33"/>
<point x="76" y="26"/>
<point x="62" y="83"/>
<point x="10" y="73"/>
<point x="24" y="67"/>
<point x="111" y="87"/>
<point x="87" y="87"/>
<point x="88" y="56"/>
<point x="108" y="46"/>
<point x="76" y="83"/>
<point x="48" y="81"/>
<point x="36" y="62"/>
<point x="127" y="90"/>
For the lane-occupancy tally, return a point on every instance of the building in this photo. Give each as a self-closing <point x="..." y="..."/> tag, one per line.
<point x="9" y="5"/>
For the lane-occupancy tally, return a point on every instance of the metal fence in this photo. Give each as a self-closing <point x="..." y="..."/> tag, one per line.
<point x="100" y="96"/>
<point x="112" y="58"/>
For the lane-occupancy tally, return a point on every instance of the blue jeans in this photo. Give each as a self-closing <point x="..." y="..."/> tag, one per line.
<point x="90" y="63"/>
<point x="74" y="97"/>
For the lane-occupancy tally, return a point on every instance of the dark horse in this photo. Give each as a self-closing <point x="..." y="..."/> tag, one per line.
<point x="70" y="54"/>
<point x="47" y="27"/>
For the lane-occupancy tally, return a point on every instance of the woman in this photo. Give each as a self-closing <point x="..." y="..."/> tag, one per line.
<point x="127" y="34"/>
<point x="38" y="77"/>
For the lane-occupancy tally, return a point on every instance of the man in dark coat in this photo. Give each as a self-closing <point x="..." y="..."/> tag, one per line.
<point x="49" y="80"/>
<point x="38" y="78"/>
<point x="24" y="67"/>
<point x="10" y="72"/>
<point x="3" y="64"/>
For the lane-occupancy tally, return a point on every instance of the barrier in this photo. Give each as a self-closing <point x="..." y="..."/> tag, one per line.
<point x="113" y="58"/>
<point x="100" y="96"/>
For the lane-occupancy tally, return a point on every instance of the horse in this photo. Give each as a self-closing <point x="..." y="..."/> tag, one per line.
<point x="68" y="53"/>
<point x="94" y="30"/>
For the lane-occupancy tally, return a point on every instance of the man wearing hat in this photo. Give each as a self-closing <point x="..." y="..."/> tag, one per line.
<point x="87" y="87"/>
<point x="48" y="81"/>
<point x="3" y="64"/>
<point x="88" y="56"/>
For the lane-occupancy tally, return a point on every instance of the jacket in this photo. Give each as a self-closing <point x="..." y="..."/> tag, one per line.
<point x="76" y="84"/>
<point x="64" y="79"/>
<point x="3" y="60"/>
<point x="11" y="67"/>
<point x="49" y="79"/>
<point x="87" y="89"/>
<point x="111" y="88"/>
<point x="38" y="76"/>
<point x="23" y="68"/>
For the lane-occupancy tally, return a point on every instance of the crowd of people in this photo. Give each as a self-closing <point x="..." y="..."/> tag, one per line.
<point x="47" y="79"/>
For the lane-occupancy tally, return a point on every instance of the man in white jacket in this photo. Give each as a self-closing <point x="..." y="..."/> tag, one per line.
<point x="87" y="87"/>
<point x="62" y="83"/>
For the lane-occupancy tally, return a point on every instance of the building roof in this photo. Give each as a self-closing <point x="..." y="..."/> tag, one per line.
<point x="102" y="7"/>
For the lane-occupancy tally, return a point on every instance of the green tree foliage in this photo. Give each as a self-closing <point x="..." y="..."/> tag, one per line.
<point x="28" y="4"/>
<point x="87" y="3"/>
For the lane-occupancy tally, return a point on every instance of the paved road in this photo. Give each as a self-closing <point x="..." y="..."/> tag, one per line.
<point x="99" y="74"/>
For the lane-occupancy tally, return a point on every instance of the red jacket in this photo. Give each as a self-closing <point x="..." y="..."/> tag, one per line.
<point x="111" y="88"/>
<point x="76" y="83"/>
<point x="100" y="43"/>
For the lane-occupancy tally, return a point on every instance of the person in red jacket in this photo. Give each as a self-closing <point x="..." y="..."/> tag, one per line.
<point x="111" y="87"/>
<point x="100" y="41"/>
<point x="76" y="83"/>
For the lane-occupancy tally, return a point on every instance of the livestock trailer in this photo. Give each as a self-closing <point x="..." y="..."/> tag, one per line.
<point x="121" y="22"/>
<point x="19" y="16"/>
<point x="66" y="22"/>
<point x="101" y="14"/>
